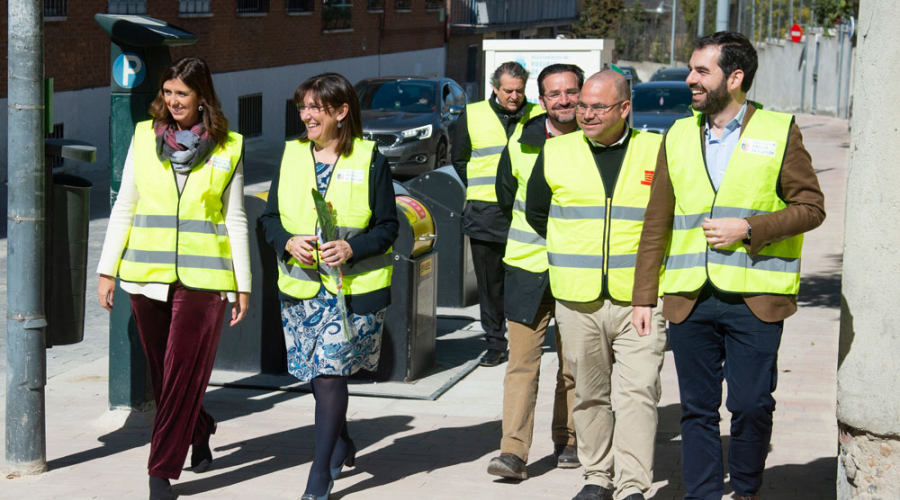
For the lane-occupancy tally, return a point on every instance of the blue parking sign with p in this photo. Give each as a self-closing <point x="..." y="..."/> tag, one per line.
<point x="129" y="70"/>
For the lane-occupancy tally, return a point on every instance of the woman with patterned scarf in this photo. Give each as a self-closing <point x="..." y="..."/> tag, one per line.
<point x="177" y="239"/>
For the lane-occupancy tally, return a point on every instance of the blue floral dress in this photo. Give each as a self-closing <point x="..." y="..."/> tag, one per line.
<point x="314" y="334"/>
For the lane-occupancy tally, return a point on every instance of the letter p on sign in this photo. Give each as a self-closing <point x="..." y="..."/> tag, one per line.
<point x="129" y="70"/>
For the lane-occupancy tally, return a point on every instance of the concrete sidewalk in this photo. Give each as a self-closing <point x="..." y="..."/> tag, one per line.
<point x="433" y="449"/>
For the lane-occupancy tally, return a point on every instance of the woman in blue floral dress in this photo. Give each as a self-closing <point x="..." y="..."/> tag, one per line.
<point x="326" y="344"/>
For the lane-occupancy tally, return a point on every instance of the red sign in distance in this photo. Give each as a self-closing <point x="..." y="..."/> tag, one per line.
<point x="796" y="33"/>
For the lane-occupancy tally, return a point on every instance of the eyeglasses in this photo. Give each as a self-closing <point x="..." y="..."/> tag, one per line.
<point x="312" y="109"/>
<point x="598" y="109"/>
<point x="571" y="94"/>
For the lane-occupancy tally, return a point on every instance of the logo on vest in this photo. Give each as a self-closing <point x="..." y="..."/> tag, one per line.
<point x="648" y="178"/>
<point x="354" y="176"/>
<point x="220" y="163"/>
<point x="757" y="147"/>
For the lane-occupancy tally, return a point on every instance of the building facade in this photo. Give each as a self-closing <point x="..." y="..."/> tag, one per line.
<point x="259" y="51"/>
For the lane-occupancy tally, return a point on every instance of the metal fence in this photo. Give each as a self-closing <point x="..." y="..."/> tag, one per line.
<point x="193" y="7"/>
<point x="293" y="126"/>
<point x="299" y="5"/>
<point x="493" y="12"/>
<point x="252" y="6"/>
<point x="337" y="14"/>
<point x="250" y="115"/>
<point x="127" y="6"/>
<point x="56" y="8"/>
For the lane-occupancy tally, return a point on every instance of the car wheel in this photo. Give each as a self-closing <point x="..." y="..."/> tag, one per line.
<point x="440" y="158"/>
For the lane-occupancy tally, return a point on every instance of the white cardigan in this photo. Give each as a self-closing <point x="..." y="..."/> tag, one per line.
<point x="122" y="215"/>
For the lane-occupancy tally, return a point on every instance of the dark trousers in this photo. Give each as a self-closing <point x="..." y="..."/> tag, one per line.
<point x="487" y="258"/>
<point x="180" y="337"/>
<point x="722" y="338"/>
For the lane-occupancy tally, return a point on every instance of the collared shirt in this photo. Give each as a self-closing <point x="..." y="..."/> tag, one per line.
<point x="718" y="151"/>
<point x="617" y="143"/>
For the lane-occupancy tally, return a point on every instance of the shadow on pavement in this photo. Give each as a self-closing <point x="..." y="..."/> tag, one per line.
<point x="222" y="404"/>
<point x="425" y="452"/>
<point x="273" y="453"/>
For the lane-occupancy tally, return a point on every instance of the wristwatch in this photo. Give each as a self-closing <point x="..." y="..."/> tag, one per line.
<point x="749" y="228"/>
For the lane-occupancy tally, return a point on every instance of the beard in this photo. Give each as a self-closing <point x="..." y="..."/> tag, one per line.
<point x="716" y="100"/>
<point x="553" y="113"/>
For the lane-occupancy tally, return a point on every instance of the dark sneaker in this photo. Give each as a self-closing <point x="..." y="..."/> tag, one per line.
<point x="593" y="492"/>
<point x="507" y="465"/>
<point x="566" y="456"/>
<point x="493" y="357"/>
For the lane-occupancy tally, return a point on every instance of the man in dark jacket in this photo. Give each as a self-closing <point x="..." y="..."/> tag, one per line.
<point x="528" y="302"/>
<point x="485" y="128"/>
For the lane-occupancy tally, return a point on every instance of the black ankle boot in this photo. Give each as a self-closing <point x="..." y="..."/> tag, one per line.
<point x="160" y="489"/>
<point x="201" y="455"/>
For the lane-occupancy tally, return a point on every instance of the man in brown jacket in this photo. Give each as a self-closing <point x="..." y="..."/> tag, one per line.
<point x="733" y="192"/>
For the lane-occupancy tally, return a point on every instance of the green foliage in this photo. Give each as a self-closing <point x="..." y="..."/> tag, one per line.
<point x="599" y="19"/>
<point x="830" y="12"/>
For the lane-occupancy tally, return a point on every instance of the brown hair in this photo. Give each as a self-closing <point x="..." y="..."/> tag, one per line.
<point x="194" y="72"/>
<point x="331" y="91"/>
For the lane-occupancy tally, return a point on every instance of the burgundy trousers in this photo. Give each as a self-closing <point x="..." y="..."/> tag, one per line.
<point x="180" y="337"/>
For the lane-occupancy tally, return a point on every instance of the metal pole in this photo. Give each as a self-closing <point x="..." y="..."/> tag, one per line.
<point x="722" y="15"/>
<point x="672" y="42"/>
<point x="800" y="15"/>
<point x="701" y="18"/>
<point x="805" y="65"/>
<point x="769" y="28"/>
<point x="815" y="77"/>
<point x="840" y="68"/>
<point x="791" y="13"/>
<point x="753" y="20"/>
<point x="26" y="357"/>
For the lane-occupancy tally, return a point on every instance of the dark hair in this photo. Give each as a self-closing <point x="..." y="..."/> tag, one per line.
<point x="511" y="68"/>
<point x="737" y="54"/>
<point x="194" y="72"/>
<point x="331" y="91"/>
<point x="555" y="69"/>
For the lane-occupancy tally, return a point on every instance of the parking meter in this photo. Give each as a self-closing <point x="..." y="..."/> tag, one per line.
<point x="139" y="53"/>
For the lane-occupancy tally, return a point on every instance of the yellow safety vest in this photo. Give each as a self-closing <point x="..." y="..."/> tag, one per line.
<point x="348" y="193"/>
<point x="590" y="237"/>
<point x="488" y="138"/>
<point x="525" y="248"/>
<point x="180" y="237"/>
<point x="748" y="188"/>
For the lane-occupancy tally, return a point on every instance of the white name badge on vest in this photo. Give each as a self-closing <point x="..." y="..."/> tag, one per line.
<point x="220" y="163"/>
<point x="354" y="176"/>
<point x="757" y="147"/>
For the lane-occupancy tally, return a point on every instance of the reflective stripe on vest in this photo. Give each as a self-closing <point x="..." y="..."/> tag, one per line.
<point x="348" y="193"/>
<point x="525" y="248"/>
<point x="180" y="237"/>
<point x="586" y="242"/>
<point x="488" y="137"/>
<point x="748" y="188"/>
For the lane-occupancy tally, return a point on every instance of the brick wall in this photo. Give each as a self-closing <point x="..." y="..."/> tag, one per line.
<point x="77" y="50"/>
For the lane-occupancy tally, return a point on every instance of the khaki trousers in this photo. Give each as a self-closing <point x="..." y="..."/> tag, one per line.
<point x="520" y="385"/>
<point x="616" y="453"/>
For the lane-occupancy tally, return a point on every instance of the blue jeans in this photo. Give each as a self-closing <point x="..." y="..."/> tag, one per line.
<point x="722" y="339"/>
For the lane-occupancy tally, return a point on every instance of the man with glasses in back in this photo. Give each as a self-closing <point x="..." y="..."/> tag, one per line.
<point x="528" y="301"/>
<point x="483" y="131"/>
<point x="586" y="196"/>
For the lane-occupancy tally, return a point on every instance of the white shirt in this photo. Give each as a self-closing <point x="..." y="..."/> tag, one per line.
<point x="122" y="216"/>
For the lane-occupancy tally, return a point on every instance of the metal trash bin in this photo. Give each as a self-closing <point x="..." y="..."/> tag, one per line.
<point x="66" y="259"/>
<point x="410" y="326"/>
<point x="256" y="344"/>
<point x="444" y="195"/>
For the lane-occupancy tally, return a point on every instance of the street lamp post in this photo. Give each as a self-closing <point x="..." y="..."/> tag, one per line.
<point x="672" y="42"/>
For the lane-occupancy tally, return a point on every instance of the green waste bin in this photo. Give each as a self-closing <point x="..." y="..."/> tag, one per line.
<point x="66" y="263"/>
